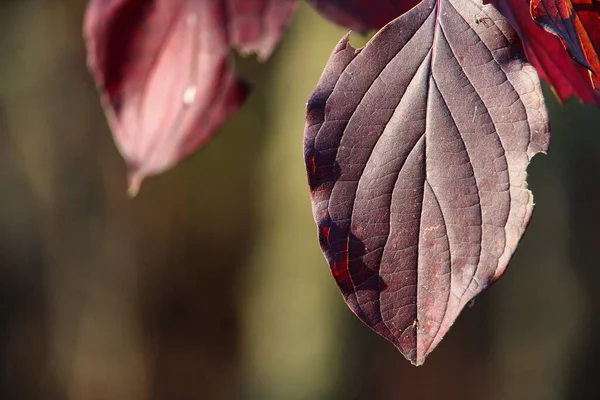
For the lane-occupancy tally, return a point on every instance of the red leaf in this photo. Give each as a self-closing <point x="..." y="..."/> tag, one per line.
<point x="577" y="23"/>
<point x="547" y="54"/>
<point x="362" y="15"/>
<point x="416" y="149"/>
<point x="164" y="71"/>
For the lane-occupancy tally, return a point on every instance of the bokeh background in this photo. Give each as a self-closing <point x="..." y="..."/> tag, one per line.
<point x="210" y="284"/>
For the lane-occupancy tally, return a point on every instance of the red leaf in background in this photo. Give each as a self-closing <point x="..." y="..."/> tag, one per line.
<point x="362" y="15"/>
<point x="164" y="70"/>
<point x="416" y="149"/>
<point x="255" y="26"/>
<point x="547" y="54"/>
<point x="577" y="23"/>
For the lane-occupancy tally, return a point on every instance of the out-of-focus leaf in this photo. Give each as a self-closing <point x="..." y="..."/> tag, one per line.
<point x="362" y="15"/>
<point x="416" y="149"/>
<point x="164" y="71"/>
<point x="577" y="24"/>
<point x="547" y="54"/>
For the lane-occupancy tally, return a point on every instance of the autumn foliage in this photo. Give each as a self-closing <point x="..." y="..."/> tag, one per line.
<point x="416" y="146"/>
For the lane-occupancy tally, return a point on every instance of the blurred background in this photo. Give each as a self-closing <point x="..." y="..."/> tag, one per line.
<point x="210" y="284"/>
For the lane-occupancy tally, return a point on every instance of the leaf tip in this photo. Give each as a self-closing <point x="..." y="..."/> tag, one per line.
<point x="418" y="358"/>
<point x="134" y="182"/>
<point x="416" y="361"/>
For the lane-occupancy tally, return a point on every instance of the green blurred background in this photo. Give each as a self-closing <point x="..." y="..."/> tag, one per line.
<point x="210" y="284"/>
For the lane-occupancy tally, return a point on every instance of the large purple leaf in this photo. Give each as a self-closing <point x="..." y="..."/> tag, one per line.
<point x="416" y="149"/>
<point x="164" y="71"/>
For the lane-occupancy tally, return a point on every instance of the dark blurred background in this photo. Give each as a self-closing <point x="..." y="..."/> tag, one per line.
<point x="210" y="284"/>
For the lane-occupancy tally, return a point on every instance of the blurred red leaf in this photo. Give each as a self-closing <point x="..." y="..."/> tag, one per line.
<point x="164" y="71"/>
<point x="416" y="149"/>
<point x="362" y="15"/>
<point x="547" y="54"/>
<point x="577" y="24"/>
